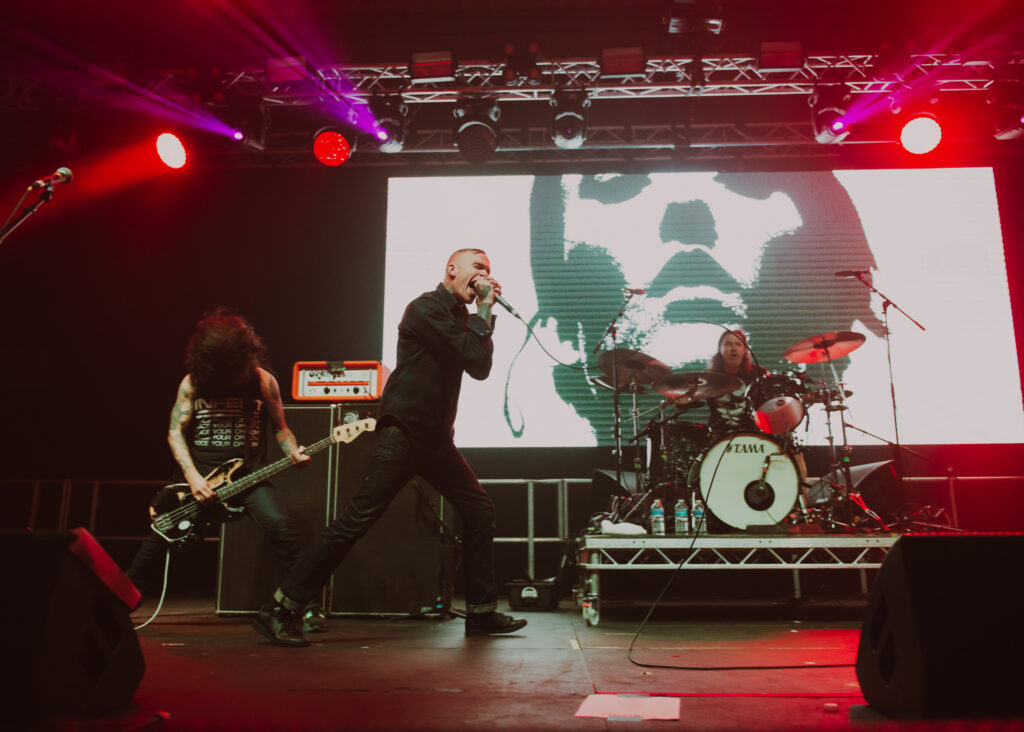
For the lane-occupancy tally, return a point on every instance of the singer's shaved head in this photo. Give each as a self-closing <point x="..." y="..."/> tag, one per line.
<point x="463" y="267"/>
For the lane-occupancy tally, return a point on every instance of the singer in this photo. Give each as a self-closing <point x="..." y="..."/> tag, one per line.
<point x="438" y="341"/>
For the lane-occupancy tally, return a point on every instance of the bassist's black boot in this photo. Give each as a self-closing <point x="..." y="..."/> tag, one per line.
<point x="280" y="626"/>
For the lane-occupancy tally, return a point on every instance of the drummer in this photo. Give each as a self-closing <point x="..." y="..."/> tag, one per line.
<point x="731" y="413"/>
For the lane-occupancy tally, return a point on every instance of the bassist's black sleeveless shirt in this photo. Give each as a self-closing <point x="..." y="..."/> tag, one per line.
<point x="234" y="424"/>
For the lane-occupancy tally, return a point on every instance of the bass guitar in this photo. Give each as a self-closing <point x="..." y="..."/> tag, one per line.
<point x="179" y="518"/>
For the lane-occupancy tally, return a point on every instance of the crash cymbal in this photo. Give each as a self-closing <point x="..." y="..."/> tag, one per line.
<point x="824" y="347"/>
<point x="627" y="388"/>
<point x="690" y="386"/>
<point x="631" y="367"/>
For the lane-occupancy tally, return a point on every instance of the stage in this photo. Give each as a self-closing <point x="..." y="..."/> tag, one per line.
<point x="209" y="672"/>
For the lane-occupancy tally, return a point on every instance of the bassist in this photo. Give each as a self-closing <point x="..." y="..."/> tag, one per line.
<point x="228" y="406"/>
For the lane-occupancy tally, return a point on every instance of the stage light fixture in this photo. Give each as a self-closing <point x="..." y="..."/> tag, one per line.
<point x="617" y="63"/>
<point x="521" y="64"/>
<point x="780" y="56"/>
<point x="476" y="128"/>
<point x="920" y="133"/>
<point x="694" y="17"/>
<point x="171" y="150"/>
<point x="250" y="121"/>
<point x="829" y="104"/>
<point x="431" y="66"/>
<point x="569" y="118"/>
<point x="332" y="147"/>
<point x="390" y="113"/>
<point x="1006" y="100"/>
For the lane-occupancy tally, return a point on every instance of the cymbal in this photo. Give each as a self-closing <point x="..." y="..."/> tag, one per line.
<point x="627" y="388"/>
<point x="690" y="386"/>
<point x="631" y="367"/>
<point x="824" y="347"/>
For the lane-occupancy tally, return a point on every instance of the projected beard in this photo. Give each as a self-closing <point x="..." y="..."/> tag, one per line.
<point x="757" y="251"/>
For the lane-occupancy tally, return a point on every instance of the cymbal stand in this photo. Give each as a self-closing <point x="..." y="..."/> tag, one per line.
<point x="847" y="490"/>
<point x="616" y="416"/>
<point x="643" y="490"/>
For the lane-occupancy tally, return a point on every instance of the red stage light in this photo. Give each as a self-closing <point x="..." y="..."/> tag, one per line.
<point x="331" y="147"/>
<point x="921" y="134"/>
<point x="171" y="150"/>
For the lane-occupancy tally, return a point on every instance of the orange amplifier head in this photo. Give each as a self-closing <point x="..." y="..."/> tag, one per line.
<point x="338" y="381"/>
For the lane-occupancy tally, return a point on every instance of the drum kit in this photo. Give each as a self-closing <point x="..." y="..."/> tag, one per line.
<point x="749" y="479"/>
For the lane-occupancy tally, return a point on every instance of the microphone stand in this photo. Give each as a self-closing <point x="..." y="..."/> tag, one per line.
<point x="886" y="304"/>
<point x="45" y="196"/>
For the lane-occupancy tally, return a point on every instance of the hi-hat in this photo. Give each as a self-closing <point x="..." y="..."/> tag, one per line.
<point x="631" y="368"/>
<point x="691" y="386"/>
<point x="824" y="347"/>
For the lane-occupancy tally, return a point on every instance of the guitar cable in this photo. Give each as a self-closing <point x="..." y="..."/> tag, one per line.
<point x="163" y="590"/>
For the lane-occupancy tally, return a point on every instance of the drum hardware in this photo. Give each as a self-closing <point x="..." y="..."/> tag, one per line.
<point x="629" y="371"/>
<point x="824" y="348"/>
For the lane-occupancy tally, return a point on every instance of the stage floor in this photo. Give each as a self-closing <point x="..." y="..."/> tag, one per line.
<point x="205" y="672"/>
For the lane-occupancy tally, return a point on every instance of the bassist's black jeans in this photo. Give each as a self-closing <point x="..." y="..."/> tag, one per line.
<point x="262" y="504"/>
<point x="397" y="459"/>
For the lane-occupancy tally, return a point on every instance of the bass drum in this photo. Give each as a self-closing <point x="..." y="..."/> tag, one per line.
<point x="746" y="480"/>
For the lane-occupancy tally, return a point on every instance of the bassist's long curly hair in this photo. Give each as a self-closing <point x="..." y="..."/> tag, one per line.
<point x="223" y="352"/>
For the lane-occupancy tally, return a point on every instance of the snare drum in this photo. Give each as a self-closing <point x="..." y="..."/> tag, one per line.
<point x="746" y="480"/>
<point x="777" y="404"/>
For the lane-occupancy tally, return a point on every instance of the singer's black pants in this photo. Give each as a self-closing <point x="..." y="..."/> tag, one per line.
<point x="397" y="459"/>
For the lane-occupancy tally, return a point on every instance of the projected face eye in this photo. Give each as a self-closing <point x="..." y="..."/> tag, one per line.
<point x="694" y="245"/>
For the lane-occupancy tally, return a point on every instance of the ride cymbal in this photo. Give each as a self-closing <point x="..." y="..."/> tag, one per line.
<point x="631" y="367"/>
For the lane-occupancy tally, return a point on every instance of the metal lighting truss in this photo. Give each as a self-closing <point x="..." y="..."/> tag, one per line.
<point x="662" y="78"/>
<point x="431" y="141"/>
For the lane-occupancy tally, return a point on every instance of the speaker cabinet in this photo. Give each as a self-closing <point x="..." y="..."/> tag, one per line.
<point x="248" y="570"/>
<point x="943" y="633"/>
<point x="403" y="565"/>
<point x="68" y="647"/>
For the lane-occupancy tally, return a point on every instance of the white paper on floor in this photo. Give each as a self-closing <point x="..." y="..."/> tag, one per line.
<point x="628" y="706"/>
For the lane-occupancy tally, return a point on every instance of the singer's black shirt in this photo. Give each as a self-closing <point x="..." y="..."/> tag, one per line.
<point x="438" y="341"/>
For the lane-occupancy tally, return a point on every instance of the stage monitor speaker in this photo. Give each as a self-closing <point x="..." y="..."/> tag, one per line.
<point x="943" y="632"/>
<point x="68" y="647"/>
<point x="248" y="570"/>
<point x="403" y="565"/>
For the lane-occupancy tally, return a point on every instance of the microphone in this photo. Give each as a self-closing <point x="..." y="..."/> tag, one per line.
<point x="498" y="299"/>
<point x="61" y="175"/>
<point x="851" y="272"/>
<point x="636" y="291"/>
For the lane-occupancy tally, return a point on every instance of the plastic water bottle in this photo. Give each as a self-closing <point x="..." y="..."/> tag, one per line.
<point x="682" y="523"/>
<point x="698" y="517"/>
<point x="657" y="518"/>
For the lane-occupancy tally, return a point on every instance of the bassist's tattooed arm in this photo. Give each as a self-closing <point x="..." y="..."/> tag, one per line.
<point x="283" y="435"/>
<point x="181" y="415"/>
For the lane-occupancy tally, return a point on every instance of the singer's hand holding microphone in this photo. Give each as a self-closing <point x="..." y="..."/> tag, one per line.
<point x="485" y="286"/>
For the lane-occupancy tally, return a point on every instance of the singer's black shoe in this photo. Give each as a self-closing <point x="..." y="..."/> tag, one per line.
<point x="280" y="626"/>
<point x="492" y="623"/>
